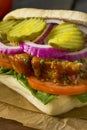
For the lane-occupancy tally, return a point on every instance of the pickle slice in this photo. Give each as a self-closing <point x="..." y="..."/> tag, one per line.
<point x="28" y="29"/>
<point x="66" y="36"/>
<point x="5" y="27"/>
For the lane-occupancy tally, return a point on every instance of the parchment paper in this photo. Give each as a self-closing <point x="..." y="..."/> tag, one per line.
<point x="14" y="106"/>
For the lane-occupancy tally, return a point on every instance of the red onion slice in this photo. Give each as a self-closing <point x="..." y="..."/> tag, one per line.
<point x="42" y="51"/>
<point x="75" y="55"/>
<point x="10" y="49"/>
<point x="41" y="39"/>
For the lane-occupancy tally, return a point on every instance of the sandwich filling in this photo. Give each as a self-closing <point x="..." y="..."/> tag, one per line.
<point x="49" y="59"/>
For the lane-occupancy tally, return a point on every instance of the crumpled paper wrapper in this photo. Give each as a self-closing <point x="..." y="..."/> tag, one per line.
<point x="15" y="107"/>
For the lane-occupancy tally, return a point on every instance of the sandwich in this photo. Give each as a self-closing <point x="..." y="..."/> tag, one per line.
<point x="43" y="57"/>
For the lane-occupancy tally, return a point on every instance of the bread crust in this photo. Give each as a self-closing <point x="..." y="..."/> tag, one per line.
<point x="58" y="106"/>
<point x="68" y="15"/>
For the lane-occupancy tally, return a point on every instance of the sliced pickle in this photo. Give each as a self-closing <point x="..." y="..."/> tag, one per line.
<point x="28" y="29"/>
<point x="6" y="26"/>
<point x="66" y="25"/>
<point x="62" y="28"/>
<point x="66" y="36"/>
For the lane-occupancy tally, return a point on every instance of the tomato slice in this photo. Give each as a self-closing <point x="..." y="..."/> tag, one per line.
<point x="4" y="61"/>
<point x="52" y="88"/>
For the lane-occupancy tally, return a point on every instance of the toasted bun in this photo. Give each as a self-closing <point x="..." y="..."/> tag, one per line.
<point x="74" y="16"/>
<point x="58" y="106"/>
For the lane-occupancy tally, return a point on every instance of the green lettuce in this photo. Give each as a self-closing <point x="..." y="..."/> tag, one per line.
<point x="82" y="97"/>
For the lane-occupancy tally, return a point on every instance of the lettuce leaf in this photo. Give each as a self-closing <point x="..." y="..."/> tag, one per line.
<point x="82" y="97"/>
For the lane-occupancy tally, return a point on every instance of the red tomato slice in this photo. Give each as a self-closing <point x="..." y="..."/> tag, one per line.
<point x="5" y="6"/>
<point x="52" y="88"/>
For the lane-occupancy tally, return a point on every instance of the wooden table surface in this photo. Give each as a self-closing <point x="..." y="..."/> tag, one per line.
<point x="80" y="5"/>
